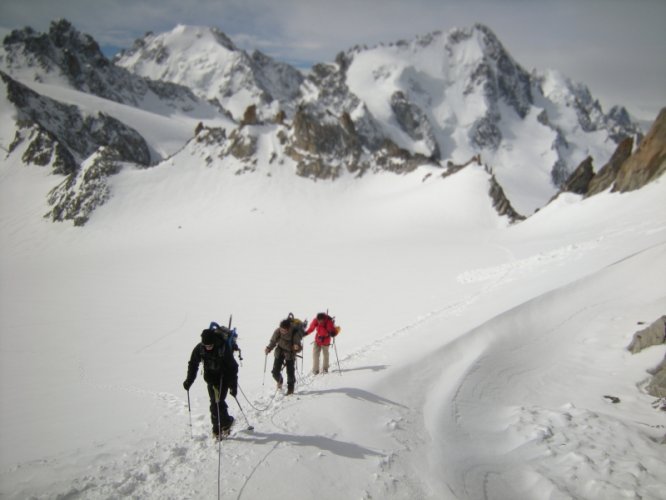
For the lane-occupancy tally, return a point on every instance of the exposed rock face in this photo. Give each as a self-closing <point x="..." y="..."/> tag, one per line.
<point x="322" y="144"/>
<point x="76" y="57"/>
<point x="657" y="386"/>
<point x="412" y="120"/>
<point x="655" y="334"/>
<point x="608" y="173"/>
<point x="250" y="116"/>
<point x="648" y="162"/>
<point x="500" y="79"/>
<point x="620" y="125"/>
<point x="579" y="181"/>
<point x="81" y="193"/>
<point x="43" y="149"/>
<point x="80" y="135"/>
<point x="624" y="171"/>
<point x="501" y="203"/>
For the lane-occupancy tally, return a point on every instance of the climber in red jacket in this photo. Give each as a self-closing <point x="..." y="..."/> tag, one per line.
<point x="325" y="328"/>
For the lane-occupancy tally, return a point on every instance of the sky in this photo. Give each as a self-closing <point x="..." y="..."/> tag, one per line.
<point x="615" y="47"/>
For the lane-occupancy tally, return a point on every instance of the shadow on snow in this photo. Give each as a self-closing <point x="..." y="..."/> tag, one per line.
<point x="341" y="448"/>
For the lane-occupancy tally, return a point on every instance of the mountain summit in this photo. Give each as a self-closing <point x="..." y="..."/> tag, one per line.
<point x="207" y="61"/>
<point x="440" y="101"/>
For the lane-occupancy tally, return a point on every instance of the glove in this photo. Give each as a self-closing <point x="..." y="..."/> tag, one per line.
<point x="267" y="350"/>
<point x="233" y="389"/>
<point x="187" y="384"/>
<point x="297" y="348"/>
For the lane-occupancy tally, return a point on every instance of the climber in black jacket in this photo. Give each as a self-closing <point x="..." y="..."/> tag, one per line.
<point x="220" y="374"/>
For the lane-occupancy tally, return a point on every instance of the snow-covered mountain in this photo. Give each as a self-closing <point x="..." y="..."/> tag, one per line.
<point x="207" y="61"/>
<point x="66" y="57"/>
<point x="443" y="100"/>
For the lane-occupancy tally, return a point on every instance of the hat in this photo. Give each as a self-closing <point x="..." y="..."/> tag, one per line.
<point x="285" y="323"/>
<point x="207" y="337"/>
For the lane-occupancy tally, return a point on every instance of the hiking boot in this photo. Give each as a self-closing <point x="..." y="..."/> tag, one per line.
<point x="227" y="426"/>
<point x="290" y="391"/>
<point x="325" y="370"/>
<point x="315" y="372"/>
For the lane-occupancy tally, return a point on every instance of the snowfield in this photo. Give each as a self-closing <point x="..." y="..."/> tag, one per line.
<point x="474" y="358"/>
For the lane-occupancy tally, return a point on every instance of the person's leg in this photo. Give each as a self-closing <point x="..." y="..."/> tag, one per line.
<point x="277" y="370"/>
<point x="225" y="419"/>
<point x="325" y="356"/>
<point x="212" y="390"/>
<point x="316" y="349"/>
<point x="291" y="376"/>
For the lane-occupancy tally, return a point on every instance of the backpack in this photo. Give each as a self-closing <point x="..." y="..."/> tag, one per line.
<point x="333" y="329"/>
<point x="297" y="329"/>
<point x="227" y="337"/>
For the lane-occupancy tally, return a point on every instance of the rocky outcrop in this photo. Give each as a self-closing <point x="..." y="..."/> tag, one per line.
<point x="76" y="57"/>
<point x="80" y="135"/>
<point x="250" y="116"/>
<point x="655" y="334"/>
<point x="579" y="181"/>
<point x="648" y="162"/>
<point x="43" y="149"/>
<point x="80" y="193"/>
<point x="322" y="144"/>
<point x="413" y="121"/>
<point x="657" y="386"/>
<point x="501" y="203"/>
<point x="606" y="176"/>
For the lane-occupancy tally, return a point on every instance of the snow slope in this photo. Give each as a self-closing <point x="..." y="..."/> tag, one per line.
<point x="474" y="357"/>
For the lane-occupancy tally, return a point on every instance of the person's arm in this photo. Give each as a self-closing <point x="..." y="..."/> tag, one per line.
<point x="192" y="368"/>
<point x="273" y="342"/>
<point x="313" y="325"/>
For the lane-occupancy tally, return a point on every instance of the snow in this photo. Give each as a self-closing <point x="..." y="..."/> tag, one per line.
<point x="441" y="77"/>
<point x="165" y="130"/>
<point x="473" y="361"/>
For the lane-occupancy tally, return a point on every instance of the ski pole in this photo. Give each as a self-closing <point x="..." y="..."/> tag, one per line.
<point x="249" y="427"/>
<point x="335" y="347"/>
<point x="189" y="410"/>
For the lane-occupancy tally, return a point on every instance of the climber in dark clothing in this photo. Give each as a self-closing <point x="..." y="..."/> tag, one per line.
<point x="220" y="374"/>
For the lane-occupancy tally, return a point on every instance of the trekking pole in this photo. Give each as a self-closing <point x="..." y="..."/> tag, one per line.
<point x="335" y="347"/>
<point x="219" y="445"/>
<point x="218" y="396"/>
<point x="265" y="361"/>
<point x="189" y="410"/>
<point x="249" y="427"/>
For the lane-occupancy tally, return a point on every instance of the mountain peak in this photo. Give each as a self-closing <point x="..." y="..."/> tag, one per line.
<point x="206" y="60"/>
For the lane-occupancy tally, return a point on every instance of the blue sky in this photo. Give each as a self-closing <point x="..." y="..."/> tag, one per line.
<point x="615" y="47"/>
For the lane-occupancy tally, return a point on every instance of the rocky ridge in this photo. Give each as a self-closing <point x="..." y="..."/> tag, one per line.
<point x="627" y="170"/>
<point x="451" y="97"/>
